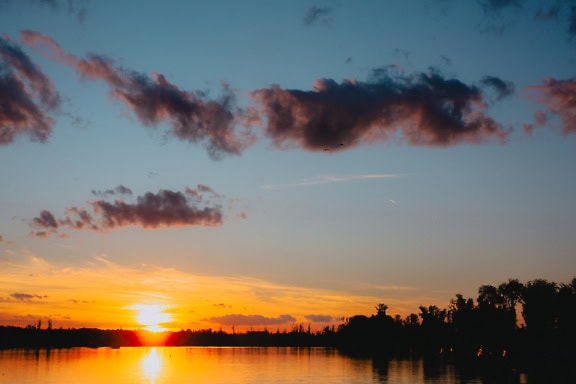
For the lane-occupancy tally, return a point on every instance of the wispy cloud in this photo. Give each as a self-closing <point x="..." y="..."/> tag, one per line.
<point x="251" y="320"/>
<point x="393" y="287"/>
<point x="119" y="190"/>
<point x="315" y="13"/>
<point x="559" y="96"/>
<point x="498" y="5"/>
<point x="320" y="318"/>
<point x="26" y="296"/>
<point x="321" y="180"/>
<point x="76" y="8"/>
<point x="22" y="297"/>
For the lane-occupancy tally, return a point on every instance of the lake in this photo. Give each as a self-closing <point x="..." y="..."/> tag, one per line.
<point x="218" y="365"/>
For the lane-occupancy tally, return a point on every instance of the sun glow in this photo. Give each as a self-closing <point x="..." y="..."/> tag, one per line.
<point x="152" y="316"/>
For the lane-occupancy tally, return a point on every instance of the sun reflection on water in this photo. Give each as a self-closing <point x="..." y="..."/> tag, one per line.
<point x="152" y="364"/>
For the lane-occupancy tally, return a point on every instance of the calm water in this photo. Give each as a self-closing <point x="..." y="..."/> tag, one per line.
<point x="214" y="365"/>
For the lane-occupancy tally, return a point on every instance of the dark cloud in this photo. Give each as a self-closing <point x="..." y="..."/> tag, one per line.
<point x="202" y="191"/>
<point x="559" y="96"/>
<point x="163" y="209"/>
<point x="1" y="239"/>
<point x="206" y="189"/>
<point x="151" y="210"/>
<point x="319" y="318"/>
<point x="426" y="108"/>
<point x="154" y="100"/>
<point x="25" y="296"/>
<point x="46" y="220"/>
<point x="547" y="13"/>
<point x="502" y="88"/>
<point x="543" y="12"/>
<point x="498" y="5"/>
<point x="26" y="96"/>
<point x="314" y="14"/>
<point x="76" y="8"/>
<point x="119" y="190"/>
<point x="562" y="9"/>
<point x="78" y="219"/>
<point x="572" y="21"/>
<point x="248" y="320"/>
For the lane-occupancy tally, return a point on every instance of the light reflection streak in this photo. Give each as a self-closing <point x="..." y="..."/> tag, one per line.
<point x="151" y="365"/>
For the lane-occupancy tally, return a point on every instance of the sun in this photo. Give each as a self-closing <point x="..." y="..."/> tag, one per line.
<point x="151" y="316"/>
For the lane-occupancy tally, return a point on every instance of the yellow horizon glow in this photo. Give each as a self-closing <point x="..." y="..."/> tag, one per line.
<point x="103" y="294"/>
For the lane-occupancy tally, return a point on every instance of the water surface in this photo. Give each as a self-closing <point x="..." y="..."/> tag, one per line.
<point x="215" y="365"/>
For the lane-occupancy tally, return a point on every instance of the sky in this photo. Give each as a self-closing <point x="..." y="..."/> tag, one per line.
<point x="263" y="164"/>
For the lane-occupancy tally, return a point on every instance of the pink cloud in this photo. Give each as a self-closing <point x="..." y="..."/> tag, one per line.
<point x="151" y="210"/>
<point x="427" y="109"/>
<point x="163" y="209"/>
<point x="26" y="96"/>
<point x="153" y="99"/>
<point x="559" y="96"/>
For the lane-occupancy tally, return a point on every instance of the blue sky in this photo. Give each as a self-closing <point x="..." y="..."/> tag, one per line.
<point x="393" y="220"/>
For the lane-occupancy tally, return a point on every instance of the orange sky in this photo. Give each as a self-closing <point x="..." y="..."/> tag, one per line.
<point x="106" y="295"/>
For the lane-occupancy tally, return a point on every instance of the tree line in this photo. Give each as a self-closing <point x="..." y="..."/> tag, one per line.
<point x="488" y="327"/>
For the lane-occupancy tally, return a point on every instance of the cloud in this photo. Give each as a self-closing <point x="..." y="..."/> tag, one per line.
<point x="154" y="100"/>
<point x="540" y="120"/>
<point x="119" y="190"/>
<point x="163" y="209"/>
<point x="206" y="189"/>
<point x="559" y="96"/>
<point x="314" y="14"/>
<point x="25" y="296"/>
<point x="248" y="320"/>
<point x="498" y="5"/>
<point x="572" y="21"/>
<point x="502" y="88"/>
<point x="1" y="239"/>
<point x="46" y="220"/>
<point x="550" y="13"/>
<point x="72" y="7"/>
<point x="320" y="318"/>
<point x="26" y="96"/>
<point x="152" y="210"/>
<point x="427" y="109"/>
<point x="332" y="179"/>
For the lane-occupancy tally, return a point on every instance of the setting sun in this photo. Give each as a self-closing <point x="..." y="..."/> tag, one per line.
<point x="151" y="316"/>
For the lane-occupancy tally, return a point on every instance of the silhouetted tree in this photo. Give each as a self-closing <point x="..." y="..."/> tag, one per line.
<point x="411" y="320"/>
<point x="435" y="329"/>
<point x="495" y="322"/>
<point x="567" y="311"/>
<point x="381" y="310"/>
<point x="540" y="306"/>
<point x="489" y="298"/>
<point x="511" y="293"/>
<point x="464" y="320"/>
